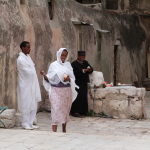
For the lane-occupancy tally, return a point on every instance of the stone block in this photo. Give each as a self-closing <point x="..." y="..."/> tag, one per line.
<point x="123" y="116"/>
<point x="114" y="96"/>
<point x="18" y="120"/>
<point x="118" y="105"/>
<point x="96" y="78"/>
<point x="141" y="92"/>
<point x="8" y="114"/>
<point x="136" y="109"/>
<point x="129" y="91"/>
<point x="90" y="104"/>
<point x="115" y="107"/>
<point x="101" y="92"/>
<point x="98" y="106"/>
<point x="8" y="123"/>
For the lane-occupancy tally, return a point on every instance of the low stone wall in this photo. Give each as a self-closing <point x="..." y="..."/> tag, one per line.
<point x="118" y="102"/>
<point x="8" y="118"/>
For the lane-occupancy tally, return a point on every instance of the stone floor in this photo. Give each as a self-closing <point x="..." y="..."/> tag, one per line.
<point x="90" y="133"/>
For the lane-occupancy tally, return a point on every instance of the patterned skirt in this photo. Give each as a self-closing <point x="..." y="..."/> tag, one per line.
<point x="61" y="101"/>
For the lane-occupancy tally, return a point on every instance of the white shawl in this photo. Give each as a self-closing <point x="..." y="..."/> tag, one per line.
<point x="28" y="86"/>
<point x="58" y="68"/>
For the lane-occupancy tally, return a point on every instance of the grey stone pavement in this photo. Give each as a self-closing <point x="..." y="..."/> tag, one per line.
<point x="89" y="133"/>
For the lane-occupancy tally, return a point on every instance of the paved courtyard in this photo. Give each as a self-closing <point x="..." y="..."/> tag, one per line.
<point x="90" y="133"/>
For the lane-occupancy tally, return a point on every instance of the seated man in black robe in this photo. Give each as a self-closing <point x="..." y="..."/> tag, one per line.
<point x="81" y="69"/>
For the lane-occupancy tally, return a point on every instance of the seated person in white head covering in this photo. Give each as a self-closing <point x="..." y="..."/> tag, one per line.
<point x="60" y="83"/>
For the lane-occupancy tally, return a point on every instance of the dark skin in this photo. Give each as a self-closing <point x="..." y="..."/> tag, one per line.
<point x="63" y="58"/>
<point x="81" y="59"/>
<point x="26" y="49"/>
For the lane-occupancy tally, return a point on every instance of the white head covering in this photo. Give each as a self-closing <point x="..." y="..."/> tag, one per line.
<point x="58" y="54"/>
<point x="58" y="69"/>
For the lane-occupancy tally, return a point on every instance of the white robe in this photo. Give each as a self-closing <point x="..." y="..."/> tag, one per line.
<point x="28" y="86"/>
<point x="58" y="68"/>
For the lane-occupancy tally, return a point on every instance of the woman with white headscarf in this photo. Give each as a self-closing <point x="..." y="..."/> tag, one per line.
<point x="60" y="83"/>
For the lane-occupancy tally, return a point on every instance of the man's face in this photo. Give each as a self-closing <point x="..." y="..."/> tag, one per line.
<point x="81" y="58"/>
<point x="26" y="49"/>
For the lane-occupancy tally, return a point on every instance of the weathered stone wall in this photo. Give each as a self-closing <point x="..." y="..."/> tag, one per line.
<point x="30" y="21"/>
<point x="18" y="22"/>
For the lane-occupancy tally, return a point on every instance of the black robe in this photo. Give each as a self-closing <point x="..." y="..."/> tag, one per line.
<point x="80" y="105"/>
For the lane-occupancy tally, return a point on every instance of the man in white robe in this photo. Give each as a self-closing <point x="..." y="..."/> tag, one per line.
<point x="28" y="87"/>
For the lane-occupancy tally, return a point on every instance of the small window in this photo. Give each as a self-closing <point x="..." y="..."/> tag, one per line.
<point x="133" y="4"/>
<point x="50" y="9"/>
<point x="22" y="2"/>
<point x="112" y="4"/>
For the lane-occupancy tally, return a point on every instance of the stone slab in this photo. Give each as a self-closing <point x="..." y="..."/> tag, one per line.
<point x="8" y="114"/>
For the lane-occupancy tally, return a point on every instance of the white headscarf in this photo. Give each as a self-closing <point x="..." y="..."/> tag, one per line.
<point x="56" y="73"/>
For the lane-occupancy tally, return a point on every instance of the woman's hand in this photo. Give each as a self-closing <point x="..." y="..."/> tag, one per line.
<point x="67" y="78"/>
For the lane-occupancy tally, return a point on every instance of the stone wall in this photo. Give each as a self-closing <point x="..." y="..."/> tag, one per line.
<point x="118" y="102"/>
<point x="124" y="101"/>
<point x="97" y="32"/>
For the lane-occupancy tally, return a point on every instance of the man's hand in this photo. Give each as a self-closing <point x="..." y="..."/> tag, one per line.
<point x="88" y="69"/>
<point x="85" y="70"/>
<point x="42" y="73"/>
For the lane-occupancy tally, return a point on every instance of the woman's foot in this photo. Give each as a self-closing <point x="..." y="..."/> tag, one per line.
<point x="64" y="127"/>
<point x="64" y="131"/>
<point x="54" y="127"/>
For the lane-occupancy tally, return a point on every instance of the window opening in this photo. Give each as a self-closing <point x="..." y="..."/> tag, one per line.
<point x="22" y="2"/>
<point x="99" y="37"/>
<point x="50" y="8"/>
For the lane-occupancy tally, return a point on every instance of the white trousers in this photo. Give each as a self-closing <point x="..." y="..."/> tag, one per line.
<point x="28" y="119"/>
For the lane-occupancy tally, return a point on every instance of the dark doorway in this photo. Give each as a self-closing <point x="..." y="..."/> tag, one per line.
<point x="112" y="4"/>
<point x="116" y="65"/>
